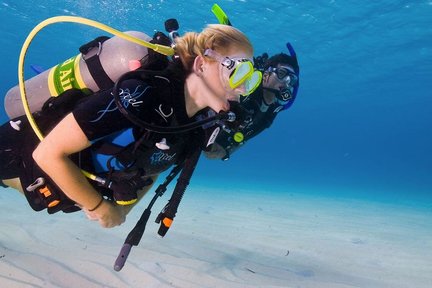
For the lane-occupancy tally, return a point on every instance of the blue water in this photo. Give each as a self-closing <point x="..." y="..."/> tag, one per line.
<point x="361" y="125"/>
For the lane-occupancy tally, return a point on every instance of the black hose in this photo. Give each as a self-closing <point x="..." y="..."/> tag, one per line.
<point x="135" y="235"/>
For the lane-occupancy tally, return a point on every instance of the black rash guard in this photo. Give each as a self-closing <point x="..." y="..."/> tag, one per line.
<point x="99" y="116"/>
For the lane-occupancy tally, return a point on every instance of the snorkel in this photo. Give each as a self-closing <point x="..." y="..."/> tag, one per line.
<point x="287" y="95"/>
<point x="297" y="72"/>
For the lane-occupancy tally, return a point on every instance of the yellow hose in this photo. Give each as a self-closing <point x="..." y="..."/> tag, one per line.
<point x="166" y="50"/>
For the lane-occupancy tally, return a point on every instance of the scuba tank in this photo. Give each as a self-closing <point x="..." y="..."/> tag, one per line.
<point x="100" y="63"/>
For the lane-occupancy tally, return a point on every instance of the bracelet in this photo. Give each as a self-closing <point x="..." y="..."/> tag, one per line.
<point x="97" y="206"/>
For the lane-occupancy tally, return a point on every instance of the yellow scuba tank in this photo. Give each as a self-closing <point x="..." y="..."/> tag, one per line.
<point x="113" y="56"/>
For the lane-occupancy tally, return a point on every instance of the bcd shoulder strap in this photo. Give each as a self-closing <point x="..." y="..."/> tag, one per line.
<point x="90" y="53"/>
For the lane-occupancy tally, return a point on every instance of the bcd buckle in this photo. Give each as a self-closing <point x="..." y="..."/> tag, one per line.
<point x="39" y="186"/>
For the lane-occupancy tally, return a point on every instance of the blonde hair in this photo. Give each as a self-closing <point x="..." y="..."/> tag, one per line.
<point x="218" y="37"/>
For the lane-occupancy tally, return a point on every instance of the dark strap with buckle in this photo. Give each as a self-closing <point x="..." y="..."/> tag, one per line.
<point x="90" y="53"/>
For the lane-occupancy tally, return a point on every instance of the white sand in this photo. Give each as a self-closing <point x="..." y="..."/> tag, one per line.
<point x="223" y="241"/>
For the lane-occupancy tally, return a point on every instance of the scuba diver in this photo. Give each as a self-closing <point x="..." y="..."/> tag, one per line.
<point x="164" y="103"/>
<point x="256" y="112"/>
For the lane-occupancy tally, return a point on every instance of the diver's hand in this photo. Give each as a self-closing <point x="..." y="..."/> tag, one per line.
<point x="108" y="214"/>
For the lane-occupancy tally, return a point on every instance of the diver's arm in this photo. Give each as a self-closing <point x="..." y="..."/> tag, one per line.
<point x="52" y="156"/>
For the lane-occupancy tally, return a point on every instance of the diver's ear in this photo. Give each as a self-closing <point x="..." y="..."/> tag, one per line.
<point x="199" y="65"/>
<point x="265" y="76"/>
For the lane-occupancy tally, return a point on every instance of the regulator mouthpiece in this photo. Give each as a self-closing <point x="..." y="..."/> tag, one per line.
<point x="231" y="116"/>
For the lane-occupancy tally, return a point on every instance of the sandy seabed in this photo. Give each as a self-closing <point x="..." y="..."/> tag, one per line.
<point x="226" y="240"/>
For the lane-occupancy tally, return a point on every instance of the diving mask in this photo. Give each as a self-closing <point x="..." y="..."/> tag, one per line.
<point x="286" y="75"/>
<point x="239" y="73"/>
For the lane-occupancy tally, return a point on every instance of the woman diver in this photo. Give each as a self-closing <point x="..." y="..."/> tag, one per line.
<point x="209" y="69"/>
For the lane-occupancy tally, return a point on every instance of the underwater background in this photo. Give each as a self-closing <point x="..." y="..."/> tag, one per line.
<point x="337" y="193"/>
<point x="361" y="124"/>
